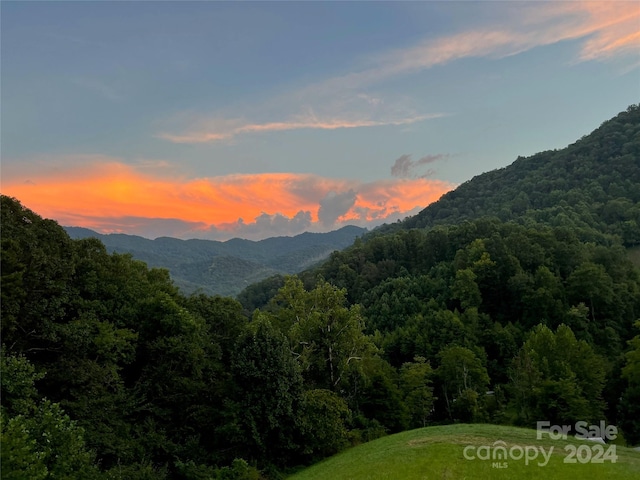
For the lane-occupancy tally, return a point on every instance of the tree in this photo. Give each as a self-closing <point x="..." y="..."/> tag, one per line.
<point x="415" y="383"/>
<point x="558" y="378"/>
<point x="267" y="397"/>
<point x="37" y="266"/>
<point x="466" y="289"/>
<point x="38" y="439"/>
<point x="327" y="336"/>
<point x="464" y="379"/>
<point x="590" y="284"/>
<point x="323" y="418"/>
<point x="377" y="396"/>
<point x="629" y="409"/>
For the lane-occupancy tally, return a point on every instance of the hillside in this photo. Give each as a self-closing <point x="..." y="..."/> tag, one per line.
<point x="591" y="187"/>
<point x="594" y="181"/>
<point x="482" y="278"/>
<point x="438" y="453"/>
<point x="225" y="268"/>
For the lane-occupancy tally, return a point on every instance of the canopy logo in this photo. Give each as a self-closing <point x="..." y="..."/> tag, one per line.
<point x="500" y="453"/>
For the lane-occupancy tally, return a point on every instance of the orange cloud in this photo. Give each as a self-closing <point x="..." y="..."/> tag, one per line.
<point x="606" y="28"/>
<point x="108" y="195"/>
<point x="614" y="29"/>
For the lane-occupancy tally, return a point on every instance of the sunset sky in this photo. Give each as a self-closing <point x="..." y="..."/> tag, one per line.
<point x="218" y="120"/>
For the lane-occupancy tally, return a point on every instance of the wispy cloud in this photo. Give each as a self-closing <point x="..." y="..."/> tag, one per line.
<point x="226" y="130"/>
<point x="108" y="195"/>
<point x="607" y="29"/>
<point x="604" y="30"/>
<point x="613" y="29"/>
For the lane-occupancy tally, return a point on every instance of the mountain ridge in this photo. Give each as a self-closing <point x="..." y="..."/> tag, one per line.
<point x="600" y="167"/>
<point x="591" y="189"/>
<point x="194" y="263"/>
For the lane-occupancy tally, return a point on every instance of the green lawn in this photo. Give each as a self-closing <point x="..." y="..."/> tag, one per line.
<point x="438" y="453"/>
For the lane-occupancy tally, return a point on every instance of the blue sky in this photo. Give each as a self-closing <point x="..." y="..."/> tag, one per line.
<point x="220" y="119"/>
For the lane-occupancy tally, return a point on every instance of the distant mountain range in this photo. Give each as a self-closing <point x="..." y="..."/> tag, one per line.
<point x="225" y="268"/>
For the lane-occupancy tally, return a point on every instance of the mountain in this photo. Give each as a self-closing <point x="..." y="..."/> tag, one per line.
<point x="225" y="268"/>
<point x="595" y="181"/>
<point x="503" y="264"/>
<point x="590" y="190"/>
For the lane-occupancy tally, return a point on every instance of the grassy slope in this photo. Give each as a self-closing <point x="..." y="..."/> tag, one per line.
<point x="437" y="453"/>
<point x="634" y="255"/>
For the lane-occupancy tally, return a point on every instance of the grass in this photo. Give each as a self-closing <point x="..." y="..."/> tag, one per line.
<point x="438" y="453"/>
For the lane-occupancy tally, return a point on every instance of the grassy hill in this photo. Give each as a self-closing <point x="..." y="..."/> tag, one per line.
<point x="438" y="453"/>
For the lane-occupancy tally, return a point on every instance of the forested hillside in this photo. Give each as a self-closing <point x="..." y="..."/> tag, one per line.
<point x="476" y="271"/>
<point x="594" y="182"/>
<point x="225" y="268"/>
<point x="108" y="371"/>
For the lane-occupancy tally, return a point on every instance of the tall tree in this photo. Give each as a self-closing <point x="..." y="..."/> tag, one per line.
<point x="464" y="381"/>
<point x="267" y="397"/>
<point x="629" y="409"/>
<point x="326" y="335"/>
<point x="415" y="383"/>
<point x="557" y="378"/>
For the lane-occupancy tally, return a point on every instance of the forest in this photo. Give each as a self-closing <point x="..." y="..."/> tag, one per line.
<point x="511" y="300"/>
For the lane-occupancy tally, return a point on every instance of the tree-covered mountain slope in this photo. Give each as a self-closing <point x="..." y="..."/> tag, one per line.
<point x="504" y="298"/>
<point x="225" y="268"/>
<point x="591" y="187"/>
<point x="594" y="181"/>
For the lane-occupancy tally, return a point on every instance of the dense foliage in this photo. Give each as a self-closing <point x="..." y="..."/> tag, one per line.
<point x="109" y="371"/>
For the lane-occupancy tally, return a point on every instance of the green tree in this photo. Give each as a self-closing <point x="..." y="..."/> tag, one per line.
<point x="267" y="397"/>
<point x="464" y="380"/>
<point x="323" y="423"/>
<point x="629" y="409"/>
<point x="466" y="289"/>
<point x="591" y="285"/>
<point x="415" y="383"/>
<point x="557" y="378"/>
<point x="38" y="439"/>
<point x="377" y="396"/>
<point x="36" y="267"/>
<point x="326" y="335"/>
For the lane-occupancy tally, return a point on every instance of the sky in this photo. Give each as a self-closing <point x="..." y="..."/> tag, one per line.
<point x="217" y="120"/>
